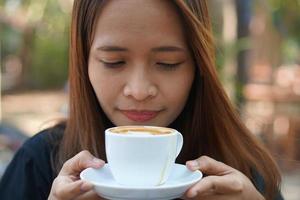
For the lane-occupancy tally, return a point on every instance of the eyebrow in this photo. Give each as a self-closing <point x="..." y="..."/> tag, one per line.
<point x="168" y="48"/>
<point x="156" y="49"/>
<point x="111" y="48"/>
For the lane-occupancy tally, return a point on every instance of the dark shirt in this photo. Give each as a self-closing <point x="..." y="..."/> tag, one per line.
<point x="29" y="176"/>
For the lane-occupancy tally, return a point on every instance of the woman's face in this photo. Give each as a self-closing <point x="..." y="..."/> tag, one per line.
<point x="139" y="64"/>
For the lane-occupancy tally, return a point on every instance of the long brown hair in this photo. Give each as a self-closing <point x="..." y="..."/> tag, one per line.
<point x="209" y="122"/>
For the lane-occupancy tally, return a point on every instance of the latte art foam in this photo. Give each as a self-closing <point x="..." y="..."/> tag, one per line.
<point x="143" y="130"/>
<point x="138" y="133"/>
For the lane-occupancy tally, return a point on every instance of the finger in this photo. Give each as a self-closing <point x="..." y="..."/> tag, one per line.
<point x="203" y="186"/>
<point x="90" y="195"/>
<point x="211" y="197"/>
<point x="216" y="185"/>
<point x="72" y="190"/>
<point x="203" y="197"/>
<point x="209" y="166"/>
<point x="79" y="162"/>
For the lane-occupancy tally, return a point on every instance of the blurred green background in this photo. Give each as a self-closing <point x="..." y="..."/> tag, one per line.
<point x="34" y="43"/>
<point x="258" y="61"/>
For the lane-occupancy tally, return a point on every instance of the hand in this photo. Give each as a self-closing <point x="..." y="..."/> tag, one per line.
<point x="223" y="182"/>
<point x="67" y="185"/>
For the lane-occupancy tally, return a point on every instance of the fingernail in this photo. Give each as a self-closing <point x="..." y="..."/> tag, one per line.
<point x="98" y="161"/>
<point x="192" y="194"/>
<point x="194" y="164"/>
<point x="85" y="186"/>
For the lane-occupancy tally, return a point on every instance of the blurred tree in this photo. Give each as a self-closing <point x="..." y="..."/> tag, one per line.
<point x="231" y="21"/>
<point x="41" y="29"/>
<point x="244" y="12"/>
<point x="50" y="53"/>
<point x="286" y="19"/>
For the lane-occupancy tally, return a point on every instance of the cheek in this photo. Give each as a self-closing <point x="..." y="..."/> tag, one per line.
<point x="96" y="79"/>
<point x="179" y="87"/>
<point x="179" y="94"/>
<point x="100" y="83"/>
<point x="107" y="87"/>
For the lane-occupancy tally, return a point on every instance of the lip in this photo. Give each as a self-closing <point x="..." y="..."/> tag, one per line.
<point x="140" y="116"/>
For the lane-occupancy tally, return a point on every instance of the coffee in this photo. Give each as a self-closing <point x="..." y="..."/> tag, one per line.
<point x="142" y="155"/>
<point x="141" y="130"/>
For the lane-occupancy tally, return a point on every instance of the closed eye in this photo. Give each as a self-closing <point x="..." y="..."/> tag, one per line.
<point x="169" y="66"/>
<point x="112" y="64"/>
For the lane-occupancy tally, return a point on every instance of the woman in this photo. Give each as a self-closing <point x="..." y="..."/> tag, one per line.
<point x="144" y="63"/>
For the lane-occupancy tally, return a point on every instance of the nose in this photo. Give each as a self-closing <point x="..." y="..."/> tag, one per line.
<point x="140" y="86"/>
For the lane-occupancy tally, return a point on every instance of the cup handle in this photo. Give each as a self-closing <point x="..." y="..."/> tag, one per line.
<point x="179" y="143"/>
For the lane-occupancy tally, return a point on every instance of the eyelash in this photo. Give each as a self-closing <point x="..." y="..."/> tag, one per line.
<point x="112" y="64"/>
<point x="169" y="66"/>
<point x="166" y="66"/>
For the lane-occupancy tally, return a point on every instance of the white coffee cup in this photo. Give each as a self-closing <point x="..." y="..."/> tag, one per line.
<point x="142" y="155"/>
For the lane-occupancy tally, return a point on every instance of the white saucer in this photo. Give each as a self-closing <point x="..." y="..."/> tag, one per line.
<point x="104" y="184"/>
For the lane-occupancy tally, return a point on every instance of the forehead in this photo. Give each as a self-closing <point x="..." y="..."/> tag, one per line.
<point x="139" y="19"/>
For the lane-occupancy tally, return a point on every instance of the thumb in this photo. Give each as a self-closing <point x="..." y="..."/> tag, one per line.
<point x="209" y="166"/>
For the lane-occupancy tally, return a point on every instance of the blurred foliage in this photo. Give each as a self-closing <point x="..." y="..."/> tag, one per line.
<point x="10" y="40"/>
<point x="49" y="61"/>
<point x="286" y="18"/>
<point x="50" y="52"/>
<point x="43" y="39"/>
